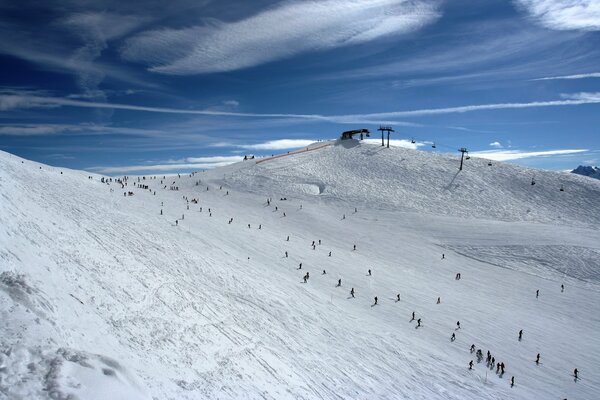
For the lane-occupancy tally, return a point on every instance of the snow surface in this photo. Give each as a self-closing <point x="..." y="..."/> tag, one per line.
<point x="101" y="297"/>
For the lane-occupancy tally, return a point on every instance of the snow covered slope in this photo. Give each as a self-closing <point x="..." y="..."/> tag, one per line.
<point x="103" y="296"/>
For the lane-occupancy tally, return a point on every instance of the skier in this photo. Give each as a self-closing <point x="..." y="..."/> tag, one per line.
<point x="498" y="368"/>
<point x="472" y="349"/>
<point x="520" y="334"/>
<point x="562" y="288"/>
<point x="502" y="367"/>
<point x="305" y="278"/>
<point x="284" y="214"/>
<point x="288" y="239"/>
<point x="160" y="212"/>
<point x="339" y="282"/>
<point x="413" y="316"/>
<point x="176" y="222"/>
<point x="329" y="254"/>
<point x="324" y="272"/>
<point x="369" y="272"/>
<point x="537" y="293"/>
<point x="398" y="297"/>
<point x="537" y="358"/>
<point x="443" y="256"/>
<point x="438" y="300"/>
<point x="453" y="337"/>
<point x="576" y="373"/>
<point x="512" y="381"/>
<point x="319" y="242"/>
<point x="248" y="226"/>
<point x="313" y="244"/>
<point x="457" y="324"/>
<point x="259" y="226"/>
<point x="354" y="247"/>
<point x="419" y="322"/>
<point x="344" y="216"/>
<point x="375" y="301"/>
<point x="286" y="254"/>
<point x="352" y="292"/>
<point x="300" y="266"/>
<point x="471" y="364"/>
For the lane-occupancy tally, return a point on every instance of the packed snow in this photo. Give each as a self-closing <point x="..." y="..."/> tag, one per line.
<point x="198" y="293"/>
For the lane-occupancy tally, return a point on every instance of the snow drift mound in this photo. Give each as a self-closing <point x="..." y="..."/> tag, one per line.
<point x="417" y="181"/>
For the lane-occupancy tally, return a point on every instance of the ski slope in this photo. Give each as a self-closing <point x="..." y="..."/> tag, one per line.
<point x="102" y="297"/>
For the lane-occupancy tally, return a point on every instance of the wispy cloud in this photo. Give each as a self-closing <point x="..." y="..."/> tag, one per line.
<point x="127" y="169"/>
<point x="95" y="29"/>
<point x="213" y="159"/>
<point x="509" y="155"/>
<point x="280" y="144"/>
<point x="564" y="14"/>
<point x="503" y="50"/>
<point x="13" y="101"/>
<point x="408" y="144"/>
<point x="68" y="129"/>
<point x="497" y="145"/>
<point x="569" y="77"/>
<point x="279" y="32"/>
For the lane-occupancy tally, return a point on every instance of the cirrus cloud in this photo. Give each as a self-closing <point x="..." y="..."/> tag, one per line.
<point x="583" y="15"/>
<point x="509" y="155"/>
<point x="276" y="33"/>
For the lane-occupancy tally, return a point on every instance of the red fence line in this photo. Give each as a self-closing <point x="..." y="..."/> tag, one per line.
<point x="293" y="152"/>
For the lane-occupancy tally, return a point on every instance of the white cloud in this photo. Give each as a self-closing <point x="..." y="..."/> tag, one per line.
<point x="408" y="144"/>
<point x="63" y="129"/>
<point x="280" y="144"/>
<point x="583" y="96"/>
<point x="23" y="100"/>
<point x="568" y="77"/>
<point x="213" y="159"/>
<point x="160" y="167"/>
<point x="497" y="145"/>
<point x="232" y="103"/>
<point x="564" y="14"/>
<point x="279" y="32"/>
<point x="509" y="155"/>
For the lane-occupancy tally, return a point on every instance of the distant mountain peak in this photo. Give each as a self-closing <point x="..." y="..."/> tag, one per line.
<point x="587" y="170"/>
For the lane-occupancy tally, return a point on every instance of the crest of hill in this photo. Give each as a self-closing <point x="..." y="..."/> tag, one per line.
<point x="401" y="179"/>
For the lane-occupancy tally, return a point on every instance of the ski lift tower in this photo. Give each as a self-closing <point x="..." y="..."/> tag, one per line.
<point x="387" y="129"/>
<point x="462" y="156"/>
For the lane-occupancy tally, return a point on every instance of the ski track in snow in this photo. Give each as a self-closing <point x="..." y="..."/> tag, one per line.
<point x="103" y="297"/>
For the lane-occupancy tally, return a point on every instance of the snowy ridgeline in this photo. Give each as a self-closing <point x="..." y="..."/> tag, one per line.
<point x="189" y="294"/>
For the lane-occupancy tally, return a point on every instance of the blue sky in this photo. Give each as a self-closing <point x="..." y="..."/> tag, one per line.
<point x="139" y="87"/>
